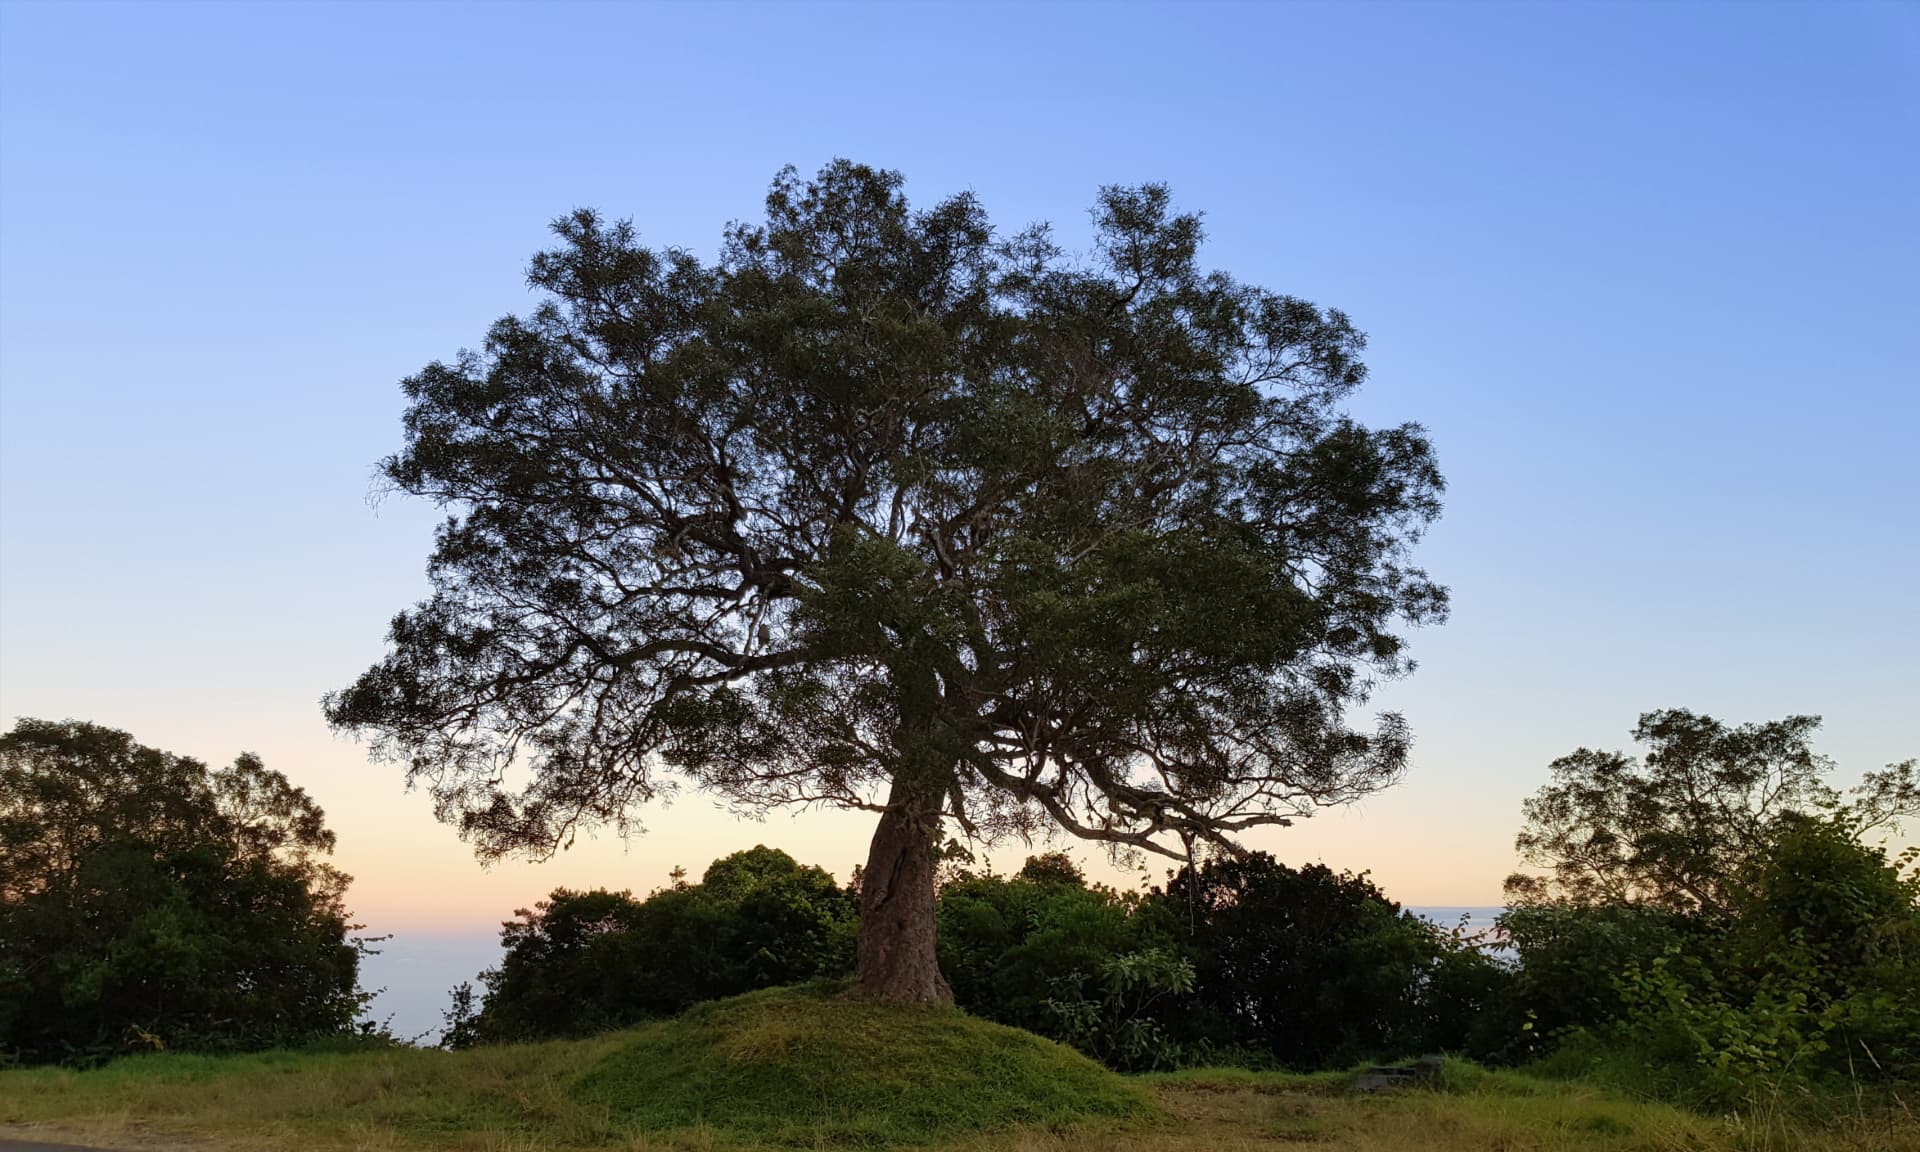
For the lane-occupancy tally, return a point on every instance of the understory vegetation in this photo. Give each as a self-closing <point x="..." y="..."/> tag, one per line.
<point x="1714" y="924"/>
<point x="1803" y="1003"/>
<point x="1244" y="961"/>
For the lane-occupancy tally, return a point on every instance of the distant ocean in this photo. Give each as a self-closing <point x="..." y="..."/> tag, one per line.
<point x="413" y="974"/>
<point x="1477" y="919"/>
<point x="416" y="971"/>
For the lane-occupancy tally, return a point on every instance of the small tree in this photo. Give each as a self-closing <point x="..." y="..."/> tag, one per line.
<point x="146" y="901"/>
<point x="886" y="510"/>
<point x="1676" y="830"/>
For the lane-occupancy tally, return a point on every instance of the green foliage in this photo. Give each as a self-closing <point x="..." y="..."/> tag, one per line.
<point x="148" y="903"/>
<point x="1053" y="868"/>
<point x="460" y="1019"/>
<point x="1812" y="987"/>
<point x="1007" y="945"/>
<point x="1245" y="959"/>
<point x="1113" y="1020"/>
<point x="1251" y="961"/>
<point x="807" y="1068"/>
<point x="1673" y="830"/>
<point x="583" y="962"/>
<point x="1569" y="956"/>
<point x="1316" y="969"/>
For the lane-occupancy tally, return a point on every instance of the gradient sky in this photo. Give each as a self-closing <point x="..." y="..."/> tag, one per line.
<point x="1650" y="274"/>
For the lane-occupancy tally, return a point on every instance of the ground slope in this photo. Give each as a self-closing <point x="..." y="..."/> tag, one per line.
<point x="799" y="1068"/>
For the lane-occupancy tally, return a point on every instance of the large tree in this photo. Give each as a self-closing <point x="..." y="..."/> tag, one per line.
<point x="886" y="510"/>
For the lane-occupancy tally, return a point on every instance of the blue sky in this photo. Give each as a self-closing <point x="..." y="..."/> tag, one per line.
<point x="1646" y="271"/>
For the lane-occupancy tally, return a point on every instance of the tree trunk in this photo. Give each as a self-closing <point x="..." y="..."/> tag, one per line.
<point x="895" y="951"/>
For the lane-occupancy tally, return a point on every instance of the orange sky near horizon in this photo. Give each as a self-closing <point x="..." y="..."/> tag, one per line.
<point x="1434" y="839"/>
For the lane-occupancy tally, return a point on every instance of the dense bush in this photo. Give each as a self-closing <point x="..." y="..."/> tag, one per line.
<point x="1570" y="957"/>
<point x="1810" y="986"/>
<point x="1242" y="959"/>
<point x="1009" y="945"/>
<point x="580" y="962"/>
<point x="147" y="902"/>
<point x="1115" y="1014"/>
<point x="1247" y="960"/>
<point x="1314" y="969"/>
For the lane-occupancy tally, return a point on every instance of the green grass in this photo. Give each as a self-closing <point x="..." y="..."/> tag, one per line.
<point x="797" y="1068"/>
<point x="800" y="1068"/>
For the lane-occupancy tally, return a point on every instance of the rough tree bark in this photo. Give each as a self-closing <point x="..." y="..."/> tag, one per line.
<point x="895" y="953"/>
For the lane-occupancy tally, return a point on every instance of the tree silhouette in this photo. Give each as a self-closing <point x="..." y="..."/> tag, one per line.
<point x="885" y="510"/>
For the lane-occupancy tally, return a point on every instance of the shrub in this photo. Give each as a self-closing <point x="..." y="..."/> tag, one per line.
<point x="1319" y="969"/>
<point x="1009" y="944"/>
<point x="1812" y="986"/>
<point x="1568" y="957"/>
<point x="582" y="962"/>
<point x="1111" y="1018"/>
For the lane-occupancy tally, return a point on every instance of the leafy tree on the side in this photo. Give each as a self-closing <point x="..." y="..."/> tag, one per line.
<point x="892" y="509"/>
<point x="147" y="902"/>
<point x="1718" y="913"/>
<point x="1675" y="828"/>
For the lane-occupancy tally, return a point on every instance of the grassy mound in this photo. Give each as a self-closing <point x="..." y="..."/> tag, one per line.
<point x="801" y="1066"/>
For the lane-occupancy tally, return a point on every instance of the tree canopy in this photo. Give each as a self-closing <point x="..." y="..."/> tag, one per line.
<point x="1677" y="828"/>
<point x="148" y="902"/>
<point x="887" y="509"/>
